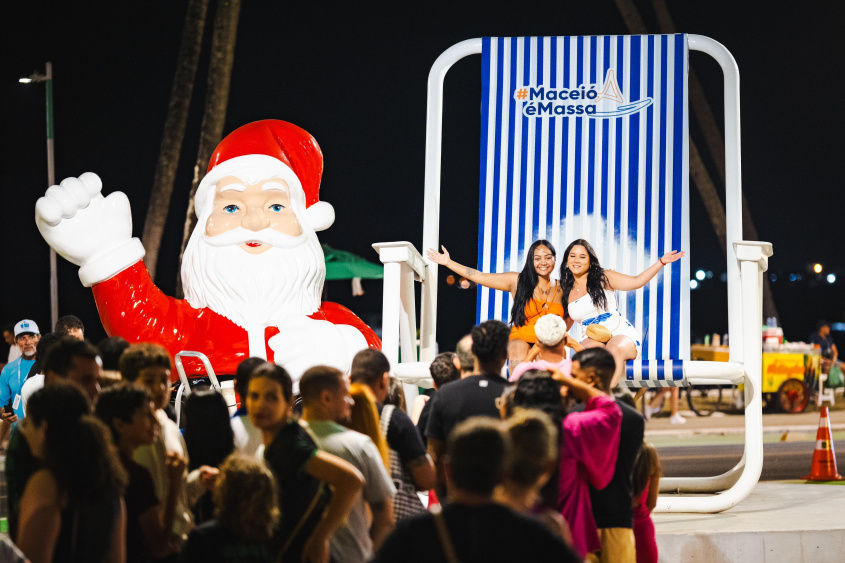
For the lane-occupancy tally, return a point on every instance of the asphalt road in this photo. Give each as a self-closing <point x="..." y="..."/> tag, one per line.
<point x="781" y="460"/>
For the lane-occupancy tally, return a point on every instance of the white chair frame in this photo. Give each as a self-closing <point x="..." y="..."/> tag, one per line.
<point x="747" y="261"/>
<point x="227" y="389"/>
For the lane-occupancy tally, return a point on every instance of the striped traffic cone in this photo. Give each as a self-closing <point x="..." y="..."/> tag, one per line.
<point x="824" y="460"/>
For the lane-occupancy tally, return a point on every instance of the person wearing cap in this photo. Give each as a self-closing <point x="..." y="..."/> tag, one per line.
<point x="14" y="374"/>
<point x="253" y="269"/>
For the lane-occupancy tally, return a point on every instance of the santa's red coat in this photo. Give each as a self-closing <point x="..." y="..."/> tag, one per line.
<point x="131" y="306"/>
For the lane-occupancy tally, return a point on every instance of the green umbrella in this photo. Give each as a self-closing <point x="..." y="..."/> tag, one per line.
<point x="343" y="265"/>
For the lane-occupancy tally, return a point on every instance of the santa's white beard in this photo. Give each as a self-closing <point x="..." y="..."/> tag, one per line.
<point x="254" y="290"/>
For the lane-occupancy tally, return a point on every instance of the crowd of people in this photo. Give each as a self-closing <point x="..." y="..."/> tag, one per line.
<point x="546" y="467"/>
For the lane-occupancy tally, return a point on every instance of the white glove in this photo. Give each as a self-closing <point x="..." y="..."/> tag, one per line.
<point x="87" y="229"/>
<point x="304" y="343"/>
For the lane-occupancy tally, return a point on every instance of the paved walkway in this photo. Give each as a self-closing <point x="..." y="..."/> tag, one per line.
<point x="778" y="522"/>
<point x="733" y="422"/>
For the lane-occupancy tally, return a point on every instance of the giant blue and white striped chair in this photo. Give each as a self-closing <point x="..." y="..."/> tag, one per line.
<point x="587" y="137"/>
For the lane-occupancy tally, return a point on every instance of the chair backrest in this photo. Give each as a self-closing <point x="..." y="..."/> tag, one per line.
<point x="587" y="137"/>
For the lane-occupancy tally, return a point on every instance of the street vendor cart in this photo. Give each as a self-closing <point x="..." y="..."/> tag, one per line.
<point x="789" y="373"/>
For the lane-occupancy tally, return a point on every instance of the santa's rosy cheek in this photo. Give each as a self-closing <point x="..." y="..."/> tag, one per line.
<point x="287" y="223"/>
<point x="220" y="222"/>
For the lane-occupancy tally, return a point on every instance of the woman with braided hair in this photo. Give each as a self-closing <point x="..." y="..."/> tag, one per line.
<point x="534" y="293"/>
<point x="589" y="298"/>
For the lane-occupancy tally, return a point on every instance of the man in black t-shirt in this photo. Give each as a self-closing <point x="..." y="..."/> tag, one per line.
<point x="612" y="506"/>
<point x="471" y="396"/>
<point x="475" y="529"/>
<point x="372" y="368"/>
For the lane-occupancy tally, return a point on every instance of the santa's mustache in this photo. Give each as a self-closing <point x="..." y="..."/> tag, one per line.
<point x="268" y="236"/>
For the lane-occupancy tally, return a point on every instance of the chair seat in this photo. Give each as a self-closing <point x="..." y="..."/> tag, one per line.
<point x="655" y="373"/>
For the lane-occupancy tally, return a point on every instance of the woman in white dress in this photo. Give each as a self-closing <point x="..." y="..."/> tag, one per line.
<point x="590" y="299"/>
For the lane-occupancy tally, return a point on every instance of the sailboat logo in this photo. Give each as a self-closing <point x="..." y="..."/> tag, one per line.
<point x="610" y="91"/>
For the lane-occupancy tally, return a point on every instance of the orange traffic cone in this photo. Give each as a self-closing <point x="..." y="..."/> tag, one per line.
<point x="824" y="460"/>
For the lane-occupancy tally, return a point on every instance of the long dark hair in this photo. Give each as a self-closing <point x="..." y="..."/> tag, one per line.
<point x="596" y="280"/>
<point x="647" y="465"/>
<point x="78" y="449"/>
<point x="527" y="282"/>
<point x="208" y="433"/>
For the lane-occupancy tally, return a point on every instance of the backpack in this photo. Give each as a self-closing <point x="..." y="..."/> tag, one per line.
<point x="406" y="502"/>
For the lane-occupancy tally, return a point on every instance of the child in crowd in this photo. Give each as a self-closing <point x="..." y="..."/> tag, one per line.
<point x="647" y="473"/>
<point x="550" y="350"/>
<point x="131" y="414"/>
<point x="532" y="463"/>
<point x="309" y="516"/>
<point x="147" y="366"/>
<point x="247" y="512"/>
<point x="71" y="508"/>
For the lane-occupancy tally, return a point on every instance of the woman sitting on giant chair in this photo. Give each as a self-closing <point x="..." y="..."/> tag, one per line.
<point x="534" y="293"/>
<point x="589" y="297"/>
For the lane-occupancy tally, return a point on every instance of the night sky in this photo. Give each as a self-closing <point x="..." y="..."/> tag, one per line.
<point x="354" y="75"/>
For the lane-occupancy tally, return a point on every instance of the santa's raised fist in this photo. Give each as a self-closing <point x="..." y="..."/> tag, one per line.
<point x="87" y="229"/>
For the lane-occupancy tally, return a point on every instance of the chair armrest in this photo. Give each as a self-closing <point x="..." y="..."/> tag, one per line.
<point x="414" y="373"/>
<point x="754" y="251"/>
<point x="402" y="251"/>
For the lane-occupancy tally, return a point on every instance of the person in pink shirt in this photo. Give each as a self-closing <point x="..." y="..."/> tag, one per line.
<point x="550" y="350"/>
<point x="647" y="472"/>
<point x="589" y="445"/>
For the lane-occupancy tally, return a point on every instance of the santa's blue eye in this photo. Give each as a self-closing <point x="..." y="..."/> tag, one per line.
<point x="230" y="209"/>
<point x="277" y="207"/>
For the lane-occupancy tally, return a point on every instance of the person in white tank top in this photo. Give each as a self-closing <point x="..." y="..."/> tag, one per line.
<point x="589" y="297"/>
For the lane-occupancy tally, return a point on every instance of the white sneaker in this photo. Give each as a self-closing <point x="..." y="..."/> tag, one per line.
<point x="677" y="419"/>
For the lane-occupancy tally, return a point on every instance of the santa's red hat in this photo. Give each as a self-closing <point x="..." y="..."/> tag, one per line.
<point x="266" y="149"/>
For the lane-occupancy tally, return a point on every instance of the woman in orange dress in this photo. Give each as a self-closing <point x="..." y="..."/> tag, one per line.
<point x="534" y="293"/>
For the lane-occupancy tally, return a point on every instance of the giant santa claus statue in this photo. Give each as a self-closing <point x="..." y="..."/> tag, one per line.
<point x="253" y="270"/>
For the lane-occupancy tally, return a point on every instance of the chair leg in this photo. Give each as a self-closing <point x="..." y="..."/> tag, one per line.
<point x="714" y="484"/>
<point x="741" y="479"/>
<point x="178" y="406"/>
<point x="753" y="456"/>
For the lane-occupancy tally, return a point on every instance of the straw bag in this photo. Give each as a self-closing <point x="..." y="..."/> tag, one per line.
<point x="598" y="332"/>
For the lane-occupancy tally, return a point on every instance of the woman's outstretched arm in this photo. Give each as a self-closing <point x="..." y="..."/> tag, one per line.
<point x="504" y="282"/>
<point x="624" y="282"/>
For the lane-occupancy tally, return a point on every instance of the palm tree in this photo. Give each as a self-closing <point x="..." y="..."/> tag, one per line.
<point x="216" y="101"/>
<point x="174" y="130"/>
<point x="716" y="145"/>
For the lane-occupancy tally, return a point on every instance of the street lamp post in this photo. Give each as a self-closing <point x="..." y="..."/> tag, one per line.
<point x="47" y="78"/>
